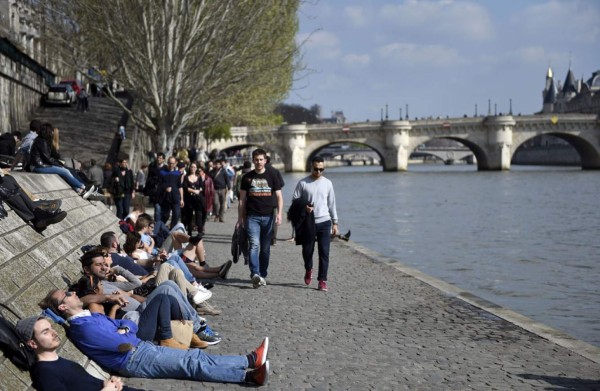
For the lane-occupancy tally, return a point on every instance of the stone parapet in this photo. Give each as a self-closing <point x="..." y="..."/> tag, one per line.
<point x="31" y="264"/>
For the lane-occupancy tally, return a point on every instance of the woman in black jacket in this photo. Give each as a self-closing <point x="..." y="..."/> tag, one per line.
<point x="41" y="161"/>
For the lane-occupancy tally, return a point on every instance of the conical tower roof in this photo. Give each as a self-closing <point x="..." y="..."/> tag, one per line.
<point x="570" y="83"/>
<point x="550" y="96"/>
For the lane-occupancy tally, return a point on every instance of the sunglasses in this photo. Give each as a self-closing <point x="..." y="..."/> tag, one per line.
<point x="67" y="294"/>
<point x="318" y="169"/>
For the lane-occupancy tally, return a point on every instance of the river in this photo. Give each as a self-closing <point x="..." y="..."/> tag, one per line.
<point x="525" y="239"/>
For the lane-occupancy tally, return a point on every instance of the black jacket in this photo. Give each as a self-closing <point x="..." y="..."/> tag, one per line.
<point x="303" y="222"/>
<point x="8" y="144"/>
<point x="239" y="245"/>
<point x="39" y="156"/>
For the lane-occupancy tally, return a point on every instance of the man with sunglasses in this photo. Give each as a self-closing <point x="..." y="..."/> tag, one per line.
<point x="317" y="192"/>
<point x="114" y="345"/>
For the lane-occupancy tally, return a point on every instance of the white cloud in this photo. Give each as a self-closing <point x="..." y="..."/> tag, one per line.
<point x="418" y="55"/>
<point x="319" y="39"/>
<point x="559" y="21"/>
<point x="356" y="14"/>
<point x="447" y="19"/>
<point x="356" y="60"/>
<point x="321" y="44"/>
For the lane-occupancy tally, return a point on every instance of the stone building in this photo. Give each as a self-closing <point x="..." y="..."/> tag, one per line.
<point x="23" y="79"/>
<point x="574" y="96"/>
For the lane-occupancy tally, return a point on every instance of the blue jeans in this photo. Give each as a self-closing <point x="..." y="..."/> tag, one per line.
<point x="323" y="238"/>
<point x="155" y="362"/>
<point x="157" y="212"/>
<point x="258" y="229"/>
<point x="170" y="288"/>
<point x="64" y="174"/>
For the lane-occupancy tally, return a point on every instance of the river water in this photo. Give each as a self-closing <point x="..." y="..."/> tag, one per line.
<point x="525" y="239"/>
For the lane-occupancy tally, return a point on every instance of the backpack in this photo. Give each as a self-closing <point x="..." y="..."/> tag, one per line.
<point x="11" y="343"/>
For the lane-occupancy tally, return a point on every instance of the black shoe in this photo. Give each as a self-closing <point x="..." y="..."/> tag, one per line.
<point x="225" y="269"/>
<point x="194" y="240"/>
<point x="347" y="236"/>
<point x="40" y="224"/>
<point x="51" y="206"/>
<point x="207" y="285"/>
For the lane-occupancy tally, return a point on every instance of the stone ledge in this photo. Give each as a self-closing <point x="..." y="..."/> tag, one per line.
<point x="33" y="263"/>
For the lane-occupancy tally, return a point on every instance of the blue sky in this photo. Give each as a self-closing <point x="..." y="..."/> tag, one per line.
<point x="440" y="57"/>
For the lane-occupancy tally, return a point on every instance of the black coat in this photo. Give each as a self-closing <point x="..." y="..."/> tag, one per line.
<point x="40" y="154"/>
<point x="303" y="222"/>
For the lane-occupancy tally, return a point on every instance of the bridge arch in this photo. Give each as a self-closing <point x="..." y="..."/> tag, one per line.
<point x="588" y="153"/>
<point x="269" y="147"/>
<point x="313" y="150"/>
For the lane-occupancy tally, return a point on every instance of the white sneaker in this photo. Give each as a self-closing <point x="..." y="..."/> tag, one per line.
<point x="256" y="281"/>
<point x="201" y="296"/>
<point x="263" y="282"/>
<point x="89" y="192"/>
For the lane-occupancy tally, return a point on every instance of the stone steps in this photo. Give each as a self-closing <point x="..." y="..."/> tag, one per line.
<point x="85" y="136"/>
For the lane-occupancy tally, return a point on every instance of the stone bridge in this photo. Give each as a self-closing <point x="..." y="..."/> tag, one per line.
<point x="493" y="139"/>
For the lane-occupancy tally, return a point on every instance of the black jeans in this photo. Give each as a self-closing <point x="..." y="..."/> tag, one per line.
<point x="323" y="239"/>
<point x="21" y="204"/>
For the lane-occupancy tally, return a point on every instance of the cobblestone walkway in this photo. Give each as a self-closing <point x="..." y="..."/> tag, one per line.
<point x="376" y="329"/>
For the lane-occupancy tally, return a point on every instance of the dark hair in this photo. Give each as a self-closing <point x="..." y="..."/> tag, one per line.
<point x="131" y="242"/>
<point x="34" y="125"/>
<point x="259" y="151"/>
<point x="247" y="164"/>
<point x="46" y="131"/>
<point x="92" y="162"/>
<point x="17" y="134"/>
<point x="317" y="159"/>
<point x="161" y="154"/>
<point x="108" y="238"/>
<point x="50" y="302"/>
<point x="86" y="258"/>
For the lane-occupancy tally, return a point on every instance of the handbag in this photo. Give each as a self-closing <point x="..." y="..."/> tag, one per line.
<point x="182" y="330"/>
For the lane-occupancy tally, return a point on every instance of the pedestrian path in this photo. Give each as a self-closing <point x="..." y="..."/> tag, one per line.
<point x="377" y="328"/>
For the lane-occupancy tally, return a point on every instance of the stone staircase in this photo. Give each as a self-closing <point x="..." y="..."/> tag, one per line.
<point x="85" y="136"/>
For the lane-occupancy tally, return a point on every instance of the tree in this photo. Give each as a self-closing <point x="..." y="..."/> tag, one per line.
<point x="187" y="63"/>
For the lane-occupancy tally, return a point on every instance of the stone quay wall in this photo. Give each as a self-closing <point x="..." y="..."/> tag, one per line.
<point x="31" y="263"/>
<point x="22" y="84"/>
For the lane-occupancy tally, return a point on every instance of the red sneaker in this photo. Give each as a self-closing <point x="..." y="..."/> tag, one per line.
<point x="308" y="277"/>
<point x="261" y="353"/>
<point x="323" y="286"/>
<point x="260" y="375"/>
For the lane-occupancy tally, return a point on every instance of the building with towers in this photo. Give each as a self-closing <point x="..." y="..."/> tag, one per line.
<point x="572" y="96"/>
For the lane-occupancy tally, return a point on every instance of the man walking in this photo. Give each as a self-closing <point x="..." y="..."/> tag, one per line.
<point x="260" y="193"/>
<point x="123" y="188"/>
<point x="318" y="196"/>
<point x="172" y="192"/>
<point x="152" y="184"/>
<point x="219" y="178"/>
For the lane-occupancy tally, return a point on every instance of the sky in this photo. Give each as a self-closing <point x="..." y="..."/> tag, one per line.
<point x="441" y="58"/>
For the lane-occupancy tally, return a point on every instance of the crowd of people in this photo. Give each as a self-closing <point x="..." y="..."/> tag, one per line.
<point x="138" y="308"/>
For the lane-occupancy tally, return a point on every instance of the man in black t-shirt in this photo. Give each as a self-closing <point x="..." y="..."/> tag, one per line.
<point x="260" y="194"/>
<point x="51" y="372"/>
